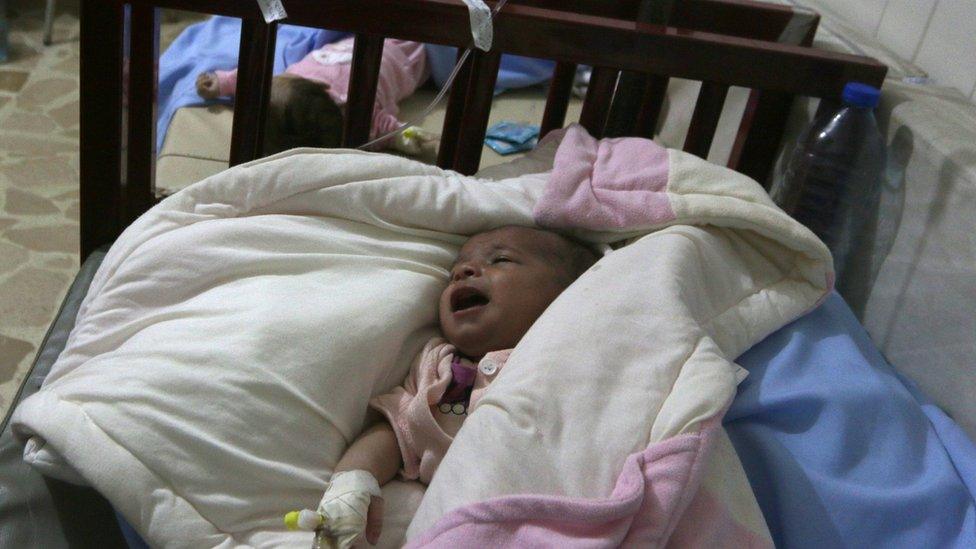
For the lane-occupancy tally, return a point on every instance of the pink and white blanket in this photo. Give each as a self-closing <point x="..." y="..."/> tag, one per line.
<point x="232" y="337"/>
<point x="624" y="446"/>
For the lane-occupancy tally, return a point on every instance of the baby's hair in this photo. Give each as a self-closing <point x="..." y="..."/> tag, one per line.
<point x="576" y="256"/>
<point x="301" y="113"/>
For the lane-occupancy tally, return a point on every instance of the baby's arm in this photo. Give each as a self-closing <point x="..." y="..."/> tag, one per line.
<point x="375" y="451"/>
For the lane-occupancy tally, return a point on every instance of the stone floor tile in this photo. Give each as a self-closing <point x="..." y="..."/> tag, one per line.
<point x="70" y="65"/>
<point x="32" y="296"/>
<point x="25" y="146"/>
<point x="12" y="352"/>
<point x="67" y="195"/>
<point x="11" y="257"/>
<point x="66" y="115"/>
<point x="20" y="202"/>
<point x="29" y="122"/>
<point x="73" y="211"/>
<point x="42" y="92"/>
<point x="20" y="54"/>
<point x="12" y="81"/>
<point x="60" y="262"/>
<point x="34" y="172"/>
<point x="49" y="238"/>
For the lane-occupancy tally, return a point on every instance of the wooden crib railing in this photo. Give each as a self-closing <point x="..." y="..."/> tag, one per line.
<point x="119" y="51"/>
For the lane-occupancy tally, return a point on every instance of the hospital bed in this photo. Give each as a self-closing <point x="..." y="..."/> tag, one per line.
<point x="117" y="188"/>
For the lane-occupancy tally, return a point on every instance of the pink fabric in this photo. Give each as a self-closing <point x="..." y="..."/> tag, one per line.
<point x="708" y="523"/>
<point x="656" y="497"/>
<point x="605" y="184"/>
<point x="423" y="432"/>
<point x="402" y="69"/>
<point x="227" y="83"/>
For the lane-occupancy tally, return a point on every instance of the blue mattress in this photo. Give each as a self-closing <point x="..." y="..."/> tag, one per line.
<point x="841" y="451"/>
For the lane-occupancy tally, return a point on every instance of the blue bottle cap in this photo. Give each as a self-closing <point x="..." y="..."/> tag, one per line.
<point x="861" y="95"/>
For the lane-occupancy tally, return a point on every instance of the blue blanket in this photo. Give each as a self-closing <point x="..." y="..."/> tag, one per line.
<point x="841" y="451"/>
<point x="214" y="44"/>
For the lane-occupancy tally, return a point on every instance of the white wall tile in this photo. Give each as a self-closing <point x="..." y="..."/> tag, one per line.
<point x="864" y="14"/>
<point x="948" y="51"/>
<point x="904" y="24"/>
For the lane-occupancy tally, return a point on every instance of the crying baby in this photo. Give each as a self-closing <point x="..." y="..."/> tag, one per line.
<point x="501" y="283"/>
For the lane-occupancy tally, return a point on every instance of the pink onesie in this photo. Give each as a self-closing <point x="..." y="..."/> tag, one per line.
<point x="402" y="70"/>
<point x="423" y="416"/>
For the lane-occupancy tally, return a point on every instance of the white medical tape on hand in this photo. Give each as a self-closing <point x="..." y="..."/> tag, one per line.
<point x="481" y="31"/>
<point x="272" y="10"/>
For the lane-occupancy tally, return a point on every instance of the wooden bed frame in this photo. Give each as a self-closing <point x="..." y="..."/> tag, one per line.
<point x="119" y="61"/>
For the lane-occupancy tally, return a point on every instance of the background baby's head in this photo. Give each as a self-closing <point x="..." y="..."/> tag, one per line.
<point x="301" y="113"/>
<point x="502" y="282"/>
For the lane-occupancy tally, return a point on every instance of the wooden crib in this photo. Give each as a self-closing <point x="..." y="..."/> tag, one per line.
<point x="735" y="43"/>
<point x="118" y="78"/>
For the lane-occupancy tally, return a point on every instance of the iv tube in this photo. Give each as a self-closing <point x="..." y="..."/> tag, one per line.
<point x="440" y="96"/>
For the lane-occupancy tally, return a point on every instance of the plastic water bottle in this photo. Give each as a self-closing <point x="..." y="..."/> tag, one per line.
<point x="832" y="184"/>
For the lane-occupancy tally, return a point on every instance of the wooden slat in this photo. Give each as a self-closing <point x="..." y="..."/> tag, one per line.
<point x="597" y="41"/>
<point x="652" y="102"/>
<point x="618" y="9"/>
<point x="451" y="130"/>
<point x="589" y="40"/>
<point x="557" y="102"/>
<point x="708" y="109"/>
<point x="477" y="107"/>
<point x="596" y="105"/>
<point x="760" y="134"/>
<point x="632" y="86"/>
<point x="763" y="123"/>
<point x="367" y="55"/>
<point x="141" y="148"/>
<point x="230" y="8"/>
<point x="744" y="18"/>
<point x="255" y="63"/>
<point x="101" y="123"/>
<point x="757" y="20"/>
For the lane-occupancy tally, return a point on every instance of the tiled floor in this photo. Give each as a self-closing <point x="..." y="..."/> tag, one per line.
<point x="38" y="179"/>
<point x="38" y="182"/>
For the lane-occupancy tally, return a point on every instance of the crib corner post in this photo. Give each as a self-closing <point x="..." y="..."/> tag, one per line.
<point x="100" y="142"/>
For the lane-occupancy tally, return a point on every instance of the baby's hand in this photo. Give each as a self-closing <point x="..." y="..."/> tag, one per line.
<point x="416" y="141"/>
<point x="207" y="85"/>
<point x="351" y="507"/>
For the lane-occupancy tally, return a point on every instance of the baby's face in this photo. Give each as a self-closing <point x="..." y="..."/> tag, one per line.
<point x="500" y="284"/>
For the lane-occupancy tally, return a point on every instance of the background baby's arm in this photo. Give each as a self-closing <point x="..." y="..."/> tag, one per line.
<point x="211" y="85"/>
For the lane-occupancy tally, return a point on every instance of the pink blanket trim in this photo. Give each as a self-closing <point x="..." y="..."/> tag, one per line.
<point x="656" y="494"/>
<point x="605" y="184"/>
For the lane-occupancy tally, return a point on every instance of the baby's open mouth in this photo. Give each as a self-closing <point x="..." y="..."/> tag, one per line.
<point x="467" y="298"/>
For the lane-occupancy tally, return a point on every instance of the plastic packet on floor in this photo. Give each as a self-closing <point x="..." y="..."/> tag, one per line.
<point x="505" y="148"/>
<point x="513" y="132"/>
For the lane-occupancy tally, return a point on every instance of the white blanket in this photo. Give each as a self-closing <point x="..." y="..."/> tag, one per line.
<point x="228" y="345"/>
